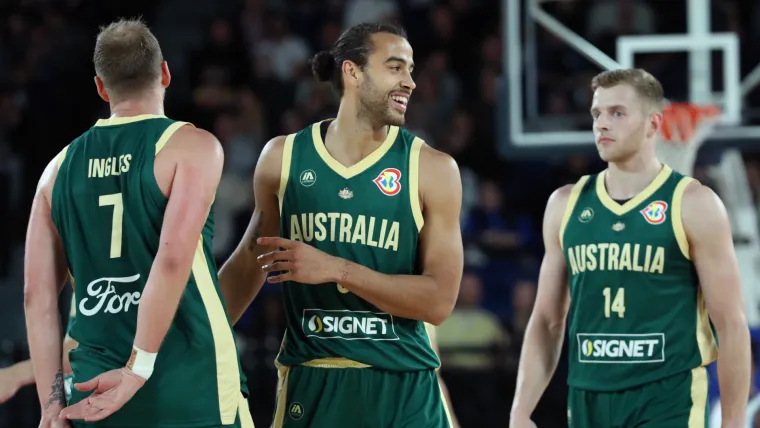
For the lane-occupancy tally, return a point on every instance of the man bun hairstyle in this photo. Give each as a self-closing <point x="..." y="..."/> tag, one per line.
<point x="127" y="57"/>
<point x="322" y="66"/>
<point x="355" y="45"/>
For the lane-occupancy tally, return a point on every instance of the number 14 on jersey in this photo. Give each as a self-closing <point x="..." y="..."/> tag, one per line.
<point x="616" y="304"/>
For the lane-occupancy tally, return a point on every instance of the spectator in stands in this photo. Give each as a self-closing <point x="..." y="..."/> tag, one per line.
<point x="499" y="231"/>
<point x="471" y="343"/>
<point x="471" y="338"/>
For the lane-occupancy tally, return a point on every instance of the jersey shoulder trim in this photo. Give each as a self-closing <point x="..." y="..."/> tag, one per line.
<point x="575" y="192"/>
<point x="677" y="221"/>
<point x="287" y="158"/>
<point x="127" y="119"/>
<point x="62" y="156"/>
<point x="414" y="182"/>
<point x="167" y="134"/>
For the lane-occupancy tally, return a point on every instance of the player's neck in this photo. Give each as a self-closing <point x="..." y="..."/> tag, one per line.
<point x="353" y="135"/>
<point x="627" y="179"/>
<point x="137" y="107"/>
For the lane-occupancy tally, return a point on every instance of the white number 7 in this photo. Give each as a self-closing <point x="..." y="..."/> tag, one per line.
<point x="116" y="223"/>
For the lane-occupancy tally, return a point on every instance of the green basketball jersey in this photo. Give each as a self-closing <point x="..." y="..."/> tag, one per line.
<point x="368" y="213"/>
<point x="636" y="312"/>
<point x="108" y="210"/>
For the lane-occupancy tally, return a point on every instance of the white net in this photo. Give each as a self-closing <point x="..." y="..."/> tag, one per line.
<point x="685" y="128"/>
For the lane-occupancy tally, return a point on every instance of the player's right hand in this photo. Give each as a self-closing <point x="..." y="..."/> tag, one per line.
<point x="112" y="391"/>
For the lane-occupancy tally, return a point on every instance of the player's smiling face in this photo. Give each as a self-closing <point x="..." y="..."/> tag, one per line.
<point x="387" y="82"/>
<point x="620" y="122"/>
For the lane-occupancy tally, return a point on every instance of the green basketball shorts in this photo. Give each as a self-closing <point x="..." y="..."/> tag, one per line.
<point x="678" y="401"/>
<point x="317" y="397"/>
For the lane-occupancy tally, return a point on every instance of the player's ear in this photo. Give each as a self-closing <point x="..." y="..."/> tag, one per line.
<point x="655" y="122"/>
<point x="101" y="87"/>
<point x="166" y="76"/>
<point x="351" y="73"/>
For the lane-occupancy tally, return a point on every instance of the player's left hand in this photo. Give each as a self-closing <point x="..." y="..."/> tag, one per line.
<point x="296" y="261"/>
<point x="112" y="390"/>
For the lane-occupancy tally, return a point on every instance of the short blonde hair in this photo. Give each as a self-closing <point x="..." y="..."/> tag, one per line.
<point x="648" y="88"/>
<point x="127" y="57"/>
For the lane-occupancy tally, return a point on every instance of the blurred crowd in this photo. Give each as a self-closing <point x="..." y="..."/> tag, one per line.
<point x="240" y="69"/>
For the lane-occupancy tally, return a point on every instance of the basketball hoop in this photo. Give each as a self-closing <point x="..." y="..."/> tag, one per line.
<point x="685" y="126"/>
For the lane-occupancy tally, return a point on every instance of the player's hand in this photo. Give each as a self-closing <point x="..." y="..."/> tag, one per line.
<point x="296" y="261"/>
<point x="112" y="390"/>
<point x="521" y="422"/>
<point x="50" y="418"/>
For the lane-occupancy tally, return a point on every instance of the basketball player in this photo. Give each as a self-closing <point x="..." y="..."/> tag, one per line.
<point x="649" y="257"/>
<point x="125" y="208"/>
<point x="369" y="251"/>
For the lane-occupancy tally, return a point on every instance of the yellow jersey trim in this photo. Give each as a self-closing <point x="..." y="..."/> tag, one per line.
<point x="127" y="119"/>
<point x="699" y="385"/>
<point x="335" y="363"/>
<point x="168" y="132"/>
<point x="414" y="182"/>
<point x="677" y="220"/>
<point x="62" y="156"/>
<point x="359" y="167"/>
<point x="616" y="208"/>
<point x="282" y="396"/>
<point x="227" y="370"/>
<point x="287" y="158"/>
<point x="708" y="348"/>
<point x="244" y="413"/>
<point x="575" y="193"/>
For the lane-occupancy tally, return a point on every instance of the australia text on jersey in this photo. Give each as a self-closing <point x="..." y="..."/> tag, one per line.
<point x="344" y="228"/>
<point x="612" y="256"/>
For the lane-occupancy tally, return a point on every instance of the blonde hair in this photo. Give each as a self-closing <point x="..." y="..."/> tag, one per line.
<point x="127" y="57"/>
<point x="647" y="87"/>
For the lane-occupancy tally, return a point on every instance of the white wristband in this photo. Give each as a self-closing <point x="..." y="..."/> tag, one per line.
<point x="141" y="362"/>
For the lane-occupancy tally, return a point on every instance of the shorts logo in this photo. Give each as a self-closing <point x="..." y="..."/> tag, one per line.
<point x="308" y="178"/>
<point x="621" y="348"/>
<point x="295" y="411"/>
<point x="348" y="325"/>
<point x="654" y="213"/>
<point x="389" y="181"/>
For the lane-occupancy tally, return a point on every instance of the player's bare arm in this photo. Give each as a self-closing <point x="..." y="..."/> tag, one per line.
<point x="21" y="374"/>
<point x="712" y="251"/>
<point x="45" y="271"/>
<point x="428" y="297"/>
<point x="546" y="328"/>
<point x="188" y="171"/>
<point x="241" y="278"/>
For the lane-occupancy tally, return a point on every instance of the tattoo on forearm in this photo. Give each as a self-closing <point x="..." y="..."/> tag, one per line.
<point x="256" y="234"/>
<point x="344" y="272"/>
<point x="57" y="395"/>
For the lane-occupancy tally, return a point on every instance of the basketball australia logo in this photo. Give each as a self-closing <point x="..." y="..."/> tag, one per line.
<point x="308" y="178"/>
<point x="295" y="411"/>
<point x="586" y="215"/>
